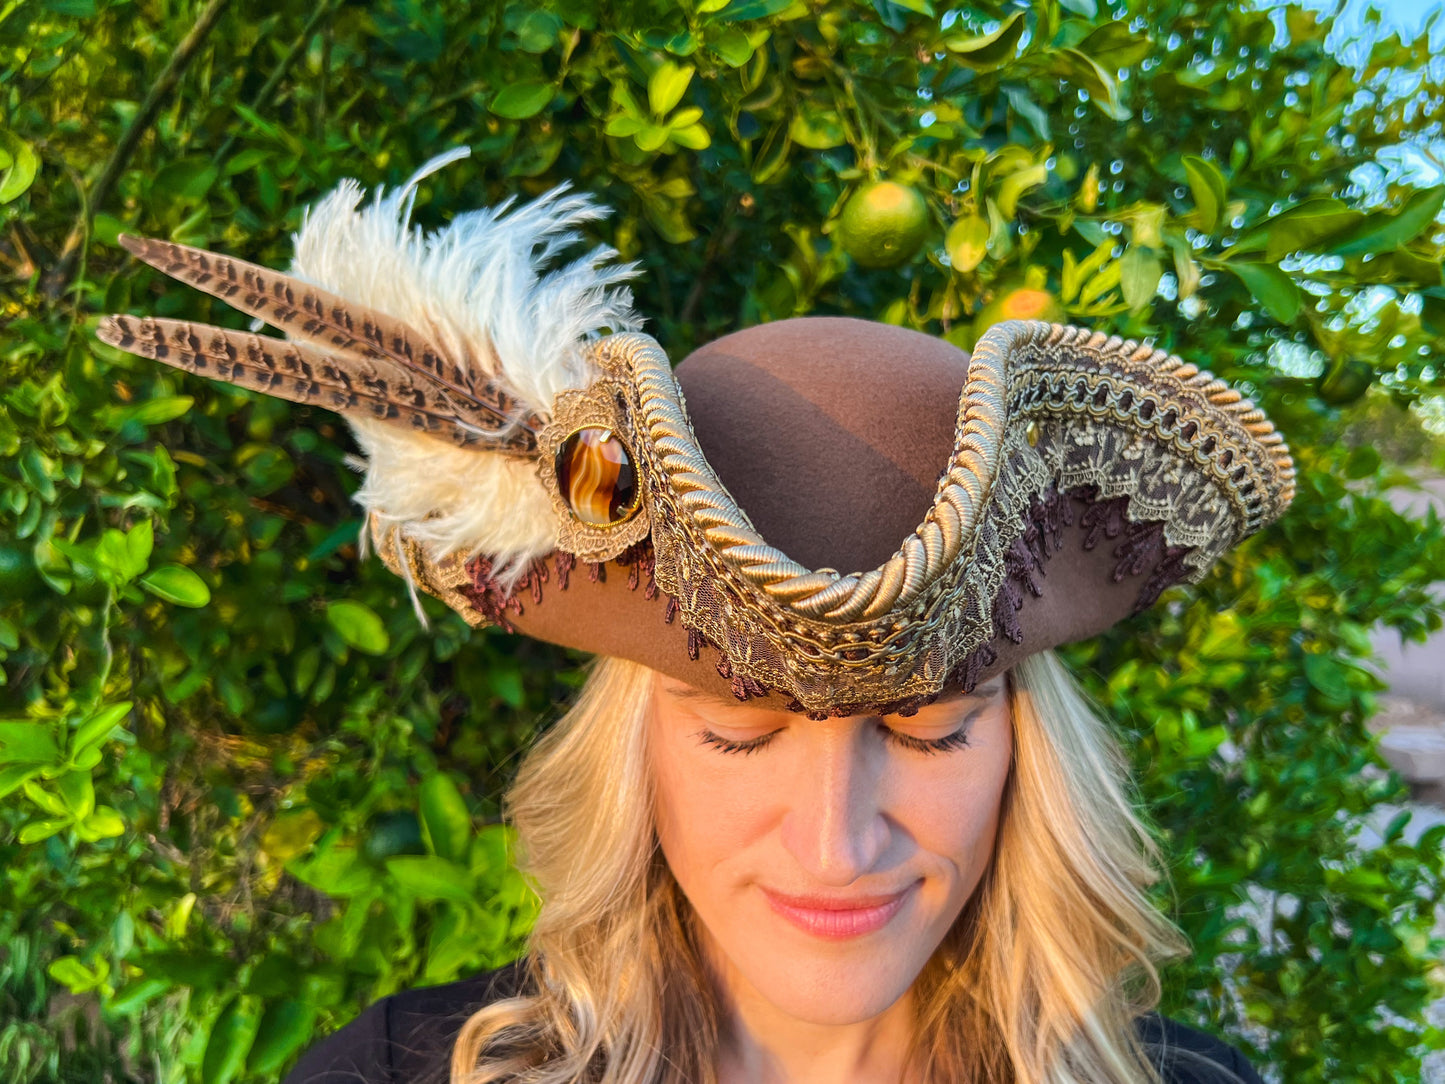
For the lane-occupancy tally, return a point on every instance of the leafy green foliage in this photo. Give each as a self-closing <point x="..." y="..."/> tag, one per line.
<point x="243" y="791"/>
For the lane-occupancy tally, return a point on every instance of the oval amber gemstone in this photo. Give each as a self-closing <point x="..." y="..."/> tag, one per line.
<point x="596" y="477"/>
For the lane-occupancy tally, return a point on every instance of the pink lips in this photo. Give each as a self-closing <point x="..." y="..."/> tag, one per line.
<point x="837" y="919"/>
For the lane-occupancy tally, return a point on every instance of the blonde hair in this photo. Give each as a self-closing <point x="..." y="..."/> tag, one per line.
<point x="1038" y="982"/>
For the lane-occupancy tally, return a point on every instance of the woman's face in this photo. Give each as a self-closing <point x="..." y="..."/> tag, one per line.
<point x="827" y="859"/>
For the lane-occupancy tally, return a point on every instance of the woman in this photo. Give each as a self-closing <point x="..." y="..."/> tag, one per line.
<point x="881" y="836"/>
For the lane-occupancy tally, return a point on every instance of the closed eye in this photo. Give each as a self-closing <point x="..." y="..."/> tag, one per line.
<point x="949" y="742"/>
<point x="729" y="745"/>
<point x="957" y="740"/>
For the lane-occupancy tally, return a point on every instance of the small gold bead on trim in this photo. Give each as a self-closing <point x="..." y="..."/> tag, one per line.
<point x="1031" y="433"/>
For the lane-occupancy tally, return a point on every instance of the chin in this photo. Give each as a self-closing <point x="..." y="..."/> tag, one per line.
<point x="834" y="992"/>
<point x="831" y="983"/>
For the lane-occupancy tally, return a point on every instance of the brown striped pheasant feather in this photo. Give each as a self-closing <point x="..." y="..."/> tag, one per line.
<point x="358" y="361"/>
<point x="444" y="350"/>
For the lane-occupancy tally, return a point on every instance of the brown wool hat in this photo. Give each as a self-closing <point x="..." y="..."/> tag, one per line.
<point x="844" y="516"/>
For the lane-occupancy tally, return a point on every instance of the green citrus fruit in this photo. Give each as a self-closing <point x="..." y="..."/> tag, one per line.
<point x="1344" y="382"/>
<point x="1019" y="303"/>
<point x="884" y="224"/>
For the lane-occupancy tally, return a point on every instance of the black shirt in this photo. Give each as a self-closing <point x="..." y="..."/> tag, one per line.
<point x="407" y="1039"/>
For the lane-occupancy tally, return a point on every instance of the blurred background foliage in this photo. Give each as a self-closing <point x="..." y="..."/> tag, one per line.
<point x="243" y="792"/>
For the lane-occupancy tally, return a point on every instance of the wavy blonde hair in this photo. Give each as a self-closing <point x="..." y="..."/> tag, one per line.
<point x="1038" y="981"/>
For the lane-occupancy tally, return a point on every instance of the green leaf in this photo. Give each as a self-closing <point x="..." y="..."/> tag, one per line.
<point x="451" y="945"/>
<point x="666" y="86"/>
<point x="1089" y="9"/>
<point x="538" y="31"/>
<point x="1362" y="462"/>
<point x="1302" y="228"/>
<point x="922" y="7"/>
<point x="18" y="166"/>
<point x="967" y="243"/>
<point x="1211" y="192"/>
<point x="446" y="822"/>
<point x="284" y="1028"/>
<point x="988" y="51"/>
<point x="179" y="585"/>
<point x="1113" y="45"/>
<point x="652" y="137"/>
<point x="77" y="791"/>
<point x="1382" y="231"/>
<point x="75" y="976"/>
<point x="230" y="1041"/>
<point x="45" y="800"/>
<point x="733" y="47"/>
<point x="97" y="728"/>
<point x="140" y="540"/>
<point x="200" y="971"/>
<point x="35" y="831"/>
<point x="359" y="626"/>
<point x="1016" y="184"/>
<point x="744" y="10"/>
<point x="104" y="823"/>
<point x="692" y="136"/>
<point x="1329" y="675"/>
<point x="134" y="995"/>
<point x="1084" y="71"/>
<point x="23" y="741"/>
<point x="156" y="411"/>
<point x="817" y="129"/>
<point x="772" y="156"/>
<point x="522" y="100"/>
<point x="1139" y="273"/>
<point x="184" y="181"/>
<point x="1025" y="106"/>
<point x="427" y="877"/>
<point x="15" y="776"/>
<point x="1409" y="267"/>
<point x="623" y="125"/>
<point x="1272" y="288"/>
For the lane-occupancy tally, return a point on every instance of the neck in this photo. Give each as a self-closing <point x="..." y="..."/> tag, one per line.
<point x="764" y="1045"/>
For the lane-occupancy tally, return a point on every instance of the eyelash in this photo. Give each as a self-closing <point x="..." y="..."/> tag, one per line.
<point x="949" y="742"/>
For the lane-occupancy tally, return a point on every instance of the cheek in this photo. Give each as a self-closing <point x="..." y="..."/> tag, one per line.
<point x="954" y="816"/>
<point x="708" y="810"/>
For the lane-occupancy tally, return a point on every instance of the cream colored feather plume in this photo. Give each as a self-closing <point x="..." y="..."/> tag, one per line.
<point x="444" y="350"/>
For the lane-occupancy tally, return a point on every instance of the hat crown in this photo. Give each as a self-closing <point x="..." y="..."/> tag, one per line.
<point x="820" y="426"/>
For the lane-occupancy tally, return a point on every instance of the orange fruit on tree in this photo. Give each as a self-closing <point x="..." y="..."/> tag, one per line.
<point x="1019" y="302"/>
<point x="884" y="224"/>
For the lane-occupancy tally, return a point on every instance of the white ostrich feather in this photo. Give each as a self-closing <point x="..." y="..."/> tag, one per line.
<point x="490" y="291"/>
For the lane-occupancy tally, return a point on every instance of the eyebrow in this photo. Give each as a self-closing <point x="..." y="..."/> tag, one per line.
<point x="691" y="692"/>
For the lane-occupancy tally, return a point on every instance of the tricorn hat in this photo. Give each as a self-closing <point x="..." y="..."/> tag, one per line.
<point x="847" y="516"/>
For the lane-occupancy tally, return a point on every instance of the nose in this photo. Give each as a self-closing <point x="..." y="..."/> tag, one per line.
<point x="835" y="825"/>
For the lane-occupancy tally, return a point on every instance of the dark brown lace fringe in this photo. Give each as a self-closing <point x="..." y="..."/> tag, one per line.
<point x="1141" y="547"/>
